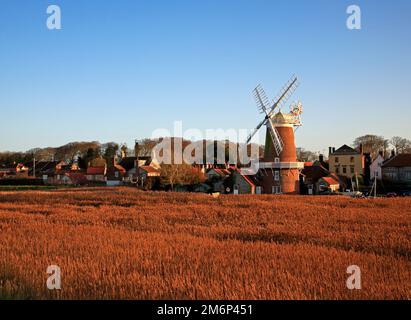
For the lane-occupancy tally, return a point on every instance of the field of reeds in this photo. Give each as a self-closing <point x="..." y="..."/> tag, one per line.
<point x="121" y="243"/>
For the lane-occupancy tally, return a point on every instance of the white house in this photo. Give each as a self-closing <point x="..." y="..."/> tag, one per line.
<point x="375" y="168"/>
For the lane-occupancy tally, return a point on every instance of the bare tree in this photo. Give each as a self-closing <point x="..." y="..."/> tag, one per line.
<point x="306" y="155"/>
<point x="172" y="174"/>
<point x="401" y="145"/>
<point x="372" y="144"/>
<point x="146" y="145"/>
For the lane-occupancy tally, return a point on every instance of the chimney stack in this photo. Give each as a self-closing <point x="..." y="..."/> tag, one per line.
<point x="361" y="148"/>
<point x="330" y="150"/>
<point x="321" y="158"/>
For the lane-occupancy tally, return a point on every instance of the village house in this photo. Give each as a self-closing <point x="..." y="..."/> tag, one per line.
<point x="45" y="170"/>
<point x="315" y="178"/>
<point x="132" y="164"/>
<point x="149" y="176"/>
<point x="375" y="167"/>
<point x="310" y="176"/>
<point x="244" y="184"/>
<point x="397" y="170"/>
<point x="346" y="162"/>
<point x="96" y="174"/>
<point x="328" y="184"/>
<point x="14" y="172"/>
<point x="217" y="177"/>
<point x="115" y="175"/>
<point x="73" y="178"/>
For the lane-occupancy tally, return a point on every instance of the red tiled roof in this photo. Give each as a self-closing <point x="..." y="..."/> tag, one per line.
<point x="331" y="180"/>
<point x="400" y="160"/>
<point x="308" y="164"/>
<point x="96" y="170"/>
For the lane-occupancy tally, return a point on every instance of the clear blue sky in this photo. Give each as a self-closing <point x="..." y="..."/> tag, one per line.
<point x="120" y="69"/>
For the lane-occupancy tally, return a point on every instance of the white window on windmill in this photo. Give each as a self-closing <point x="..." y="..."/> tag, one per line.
<point x="276" y="175"/>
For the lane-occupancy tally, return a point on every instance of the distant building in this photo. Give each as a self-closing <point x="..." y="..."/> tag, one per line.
<point x="375" y="168"/>
<point x="328" y="184"/>
<point x="217" y="178"/>
<point x="245" y="184"/>
<point x="115" y="175"/>
<point x="397" y="170"/>
<point x="346" y="162"/>
<point x="96" y="174"/>
<point x="315" y="178"/>
<point x="73" y="178"/>
<point x="46" y="170"/>
<point x="310" y="176"/>
<point x="132" y="165"/>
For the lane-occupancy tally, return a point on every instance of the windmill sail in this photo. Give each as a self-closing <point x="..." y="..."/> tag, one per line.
<point x="261" y="99"/>
<point x="264" y="105"/>
<point x="284" y="94"/>
<point x="275" y="137"/>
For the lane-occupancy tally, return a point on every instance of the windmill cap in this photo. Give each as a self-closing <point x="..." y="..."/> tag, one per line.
<point x="282" y="118"/>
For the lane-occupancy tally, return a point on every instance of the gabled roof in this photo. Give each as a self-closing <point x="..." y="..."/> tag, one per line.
<point x="43" y="167"/>
<point x="330" y="180"/>
<point x="345" y="150"/>
<point x="96" y="170"/>
<point x="400" y="160"/>
<point x="248" y="178"/>
<point x="315" y="172"/>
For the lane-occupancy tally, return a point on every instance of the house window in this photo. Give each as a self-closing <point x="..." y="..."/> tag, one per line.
<point x="276" y="175"/>
<point x="116" y="174"/>
<point x="376" y="173"/>
<point x="352" y="169"/>
<point x="336" y="159"/>
<point x="337" y="170"/>
<point x="276" y="160"/>
<point x="344" y="170"/>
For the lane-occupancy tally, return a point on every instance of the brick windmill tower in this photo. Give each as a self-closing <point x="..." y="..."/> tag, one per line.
<point x="279" y="170"/>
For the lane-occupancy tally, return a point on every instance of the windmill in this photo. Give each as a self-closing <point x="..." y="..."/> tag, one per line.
<point x="280" y="153"/>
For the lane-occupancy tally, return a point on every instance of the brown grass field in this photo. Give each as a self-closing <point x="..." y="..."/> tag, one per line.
<point x="121" y="243"/>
